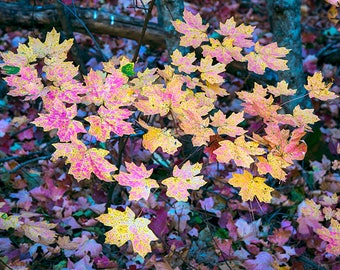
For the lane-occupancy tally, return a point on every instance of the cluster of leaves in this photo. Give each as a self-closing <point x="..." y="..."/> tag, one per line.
<point x="168" y="109"/>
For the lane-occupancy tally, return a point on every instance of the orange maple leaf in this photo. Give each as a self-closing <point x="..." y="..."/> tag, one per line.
<point x="273" y="165"/>
<point x="257" y="104"/>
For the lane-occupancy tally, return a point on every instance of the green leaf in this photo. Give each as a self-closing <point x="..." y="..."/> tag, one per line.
<point x="78" y="213"/>
<point x="11" y="69"/>
<point x="221" y="233"/>
<point x="60" y="265"/>
<point x="297" y="195"/>
<point x="128" y="69"/>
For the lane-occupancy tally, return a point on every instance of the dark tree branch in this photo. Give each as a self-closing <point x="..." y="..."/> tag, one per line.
<point x="99" y="22"/>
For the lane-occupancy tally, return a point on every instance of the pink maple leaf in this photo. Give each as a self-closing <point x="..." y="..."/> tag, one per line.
<point x="61" y="118"/>
<point x="85" y="161"/>
<point x="109" y="120"/>
<point x="193" y="29"/>
<point x="138" y="179"/>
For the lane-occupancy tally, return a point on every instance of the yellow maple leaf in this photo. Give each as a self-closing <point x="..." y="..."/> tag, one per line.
<point x="240" y="151"/>
<point x="228" y="125"/>
<point x="184" y="63"/>
<point x="251" y="187"/>
<point x="332" y="236"/>
<point x="156" y="137"/>
<point x="318" y="89"/>
<point x="209" y="72"/>
<point x="126" y="227"/>
<point x="281" y="89"/>
<point x="304" y="117"/>
<point x="50" y="47"/>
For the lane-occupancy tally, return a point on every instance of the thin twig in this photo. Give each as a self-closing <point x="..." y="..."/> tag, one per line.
<point x="122" y="144"/>
<point x="21" y="130"/>
<point x="145" y="26"/>
<point x="26" y="163"/>
<point x="96" y="45"/>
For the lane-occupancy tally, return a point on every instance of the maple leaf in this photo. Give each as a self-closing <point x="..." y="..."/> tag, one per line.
<point x="257" y="104"/>
<point x="318" y="89"/>
<point x="281" y="89"/>
<point x="224" y="52"/>
<point x="61" y="118"/>
<point x="126" y="227"/>
<point x="60" y="73"/>
<point x="240" y="35"/>
<point x="40" y="232"/>
<point x="184" y="63"/>
<point x="281" y="145"/>
<point x="192" y="123"/>
<point x="85" y="161"/>
<point x="197" y="104"/>
<point x="273" y="165"/>
<point x="109" y="120"/>
<point x="184" y="179"/>
<point x="161" y="100"/>
<point x="228" y="125"/>
<point x="116" y="91"/>
<point x="51" y="47"/>
<point x="193" y="29"/>
<point x="212" y="146"/>
<point x="332" y="236"/>
<point x="304" y="117"/>
<point x="212" y="90"/>
<point x="26" y="84"/>
<point x="240" y="151"/>
<point x="23" y="57"/>
<point x="251" y="187"/>
<point x="267" y="56"/>
<point x="156" y="137"/>
<point x="209" y="72"/>
<point x="147" y="77"/>
<point x="139" y="181"/>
